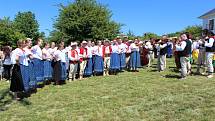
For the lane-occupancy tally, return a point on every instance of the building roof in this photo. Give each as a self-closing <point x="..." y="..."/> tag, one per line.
<point x="211" y="12"/>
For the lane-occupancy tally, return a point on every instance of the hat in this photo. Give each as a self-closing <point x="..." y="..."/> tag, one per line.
<point x="29" y="39"/>
<point x="73" y="44"/>
<point x="84" y="42"/>
<point x="106" y="40"/>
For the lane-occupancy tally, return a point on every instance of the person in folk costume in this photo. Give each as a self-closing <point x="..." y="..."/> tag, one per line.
<point x="128" y="53"/>
<point x="59" y="70"/>
<point x="195" y="50"/>
<point x="122" y="48"/>
<point x="169" y="48"/>
<point x="7" y="62"/>
<point x="184" y="47"/>
<point x="115" y="58"/>
<point x="83" y="58"/>
<point x="149" y="52"/>
<point x="33" y="81"/>
<point x="99" y="63"/>
<point x="107" y="50"/>
<point x="190" y="37"/>
<point x="143" y="54"/>
<point x="201" y="62"/>
<point x="161" y="51"/>
<point x="94" y="48"/>
<point x="209" y="49"/>
<point x="74" y="60"/>
<point x="135" y="56"/>
<point x="16" y="85"/>
<point x="89" y="67"/>
<point x="47" y="59"/>
<point x="177" y="53"/>
<point x="2" y="56"/>
<point x="37" y="61"/>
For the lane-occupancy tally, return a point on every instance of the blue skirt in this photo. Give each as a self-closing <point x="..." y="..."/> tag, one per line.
<point x="98" y="64"/>
<point x="47" y="70"/>
<point x="169" y="51"/>
<point x="63" y="71"/>
<point x="25" y="77"/>
<point x="89" y="67"/>
<point x="39" y="69"/>
<point x="135" y="60"/>
<point x="114" y="61"/>
<point x="122" y="60"/>
<point x="33" y="81"/>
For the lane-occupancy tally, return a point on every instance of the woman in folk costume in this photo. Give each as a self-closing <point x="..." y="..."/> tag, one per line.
<point x="83" y="58"/>
<point x="47" y="59"/>
<point x="74" y="60"/>
<point x="59" y="70"/>
<point x="99" y="63"/>
<point x="135" y="56"/>
<point x="37" y="61"/>
<point x="107" y="50"/>
<point x="7" y="62"/>
<point x="16" y="85"/>
<point x="114" y="58"/>
<point x="145" y="53"/>
<point x="122" y="48"/>
<point x="177" y="54"/>
<point x="94" y="48"/>
<point x="89" y="67"/>
<point x="33" y="81"/>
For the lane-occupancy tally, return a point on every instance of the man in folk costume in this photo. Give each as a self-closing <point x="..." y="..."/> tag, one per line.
<point x="107" y="50"/>
<point x="99" y="63"/>
<point x="210" y="49"/>
<point x="150" y="54"/>
<point x="161" y="52"/>
<point x="184" y="48"/>
<point x="128" y="52"/>
<point x="83" y="58"/>
<point x="89" y="67"/>
<point x="122" y="51"/>
<point x="74" y="60"/>
<point x="201" y="62"/>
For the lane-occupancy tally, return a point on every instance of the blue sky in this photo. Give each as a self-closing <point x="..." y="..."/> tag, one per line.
<point x="139" y="16"/>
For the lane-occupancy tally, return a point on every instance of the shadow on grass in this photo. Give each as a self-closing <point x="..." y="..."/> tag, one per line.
<point x="7" y="99"/>
<point x="172" y="76"/>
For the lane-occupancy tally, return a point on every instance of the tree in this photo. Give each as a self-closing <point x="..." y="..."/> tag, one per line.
<point x="8" y="32"/>
<point x="195" y="30"/>
<point x="27" y="24"/>
<point x="85" y="19"/>
<point x="149" y="35"/>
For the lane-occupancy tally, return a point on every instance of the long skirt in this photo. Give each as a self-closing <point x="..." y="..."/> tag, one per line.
<point x="135" y="60"/>
<point x="98" y="64"/>
<point x="33" y="81"/>
<point x="89" y="67"/>
<point x="122" y="61"/>
<point x="39" y="69"/>
<point x="25" y="77"/>
<point x="47" y="70"/>
<point x="16" y="80"/>
<point x="59" y="72"/>
<point x="114" y="61"/>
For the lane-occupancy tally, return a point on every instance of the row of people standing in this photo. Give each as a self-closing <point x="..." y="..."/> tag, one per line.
<point x="33" y="65"/>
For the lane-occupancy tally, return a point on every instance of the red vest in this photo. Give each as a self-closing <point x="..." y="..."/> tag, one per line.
<point x="104" y="48"/>
<point x="82" y="52"/>
<point x="74" y="54"/>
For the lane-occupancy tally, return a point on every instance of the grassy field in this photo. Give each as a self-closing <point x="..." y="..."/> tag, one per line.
<point x="147" y="95"/>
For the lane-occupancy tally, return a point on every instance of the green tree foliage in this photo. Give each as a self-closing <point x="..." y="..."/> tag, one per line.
<point x="85" y="19"/>
<point x="8" y="32"/>
<point x="149" y="35"/>
<point x="27" y="24"/>
<point x="195" y="30"/>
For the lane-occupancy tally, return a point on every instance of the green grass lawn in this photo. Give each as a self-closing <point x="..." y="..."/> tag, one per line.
<point x="147" y="95"/>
